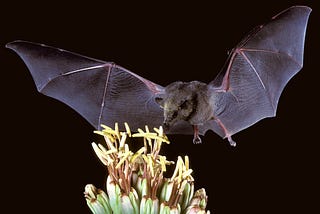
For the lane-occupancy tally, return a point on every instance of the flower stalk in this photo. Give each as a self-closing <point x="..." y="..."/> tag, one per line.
<point x="136" y="182"/>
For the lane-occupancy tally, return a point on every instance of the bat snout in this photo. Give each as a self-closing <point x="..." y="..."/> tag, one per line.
<point x="166" y="126"/>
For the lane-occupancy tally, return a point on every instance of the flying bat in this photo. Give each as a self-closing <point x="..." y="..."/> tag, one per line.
<point x="246" y="90"/>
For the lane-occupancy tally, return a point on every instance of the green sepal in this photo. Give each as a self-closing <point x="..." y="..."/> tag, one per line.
<point x="185" y="197"/>
<point x="142" y="205"/>
<point x="134" y="199"/>
<point x="174" y="210"/>
<point x="144" y="187"/>
<point x="96" y="207"/>
<point x="114" y="193"/>
<point x="138" y="186"/>
<point x="155" y="206"/>
<point x="163" y="191"/>
<point x="203" y="203"/>
<point x="168" y="191"/>
<point x="149" y="206"/>
<point x="164" y="209"/>
<point x="104" y="201"/>
<point x="126" y="206"/>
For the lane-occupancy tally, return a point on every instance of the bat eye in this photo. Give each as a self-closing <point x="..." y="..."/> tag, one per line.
<point x="175" y="114"/>
<point x="184" y="104"/>
<point x="159" y="100"/>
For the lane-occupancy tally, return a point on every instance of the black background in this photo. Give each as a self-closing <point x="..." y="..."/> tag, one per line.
<point x="46" y="155"/>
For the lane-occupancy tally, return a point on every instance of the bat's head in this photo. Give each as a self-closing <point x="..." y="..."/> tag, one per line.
<point x="180" y="101"/>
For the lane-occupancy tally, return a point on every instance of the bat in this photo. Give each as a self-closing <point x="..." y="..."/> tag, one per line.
<point x="246" y="90"/>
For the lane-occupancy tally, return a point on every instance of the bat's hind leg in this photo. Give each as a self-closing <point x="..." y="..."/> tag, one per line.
<point x="196" y="137"/>
<point x="227" y="134"/>
<point x="232" y="142"/>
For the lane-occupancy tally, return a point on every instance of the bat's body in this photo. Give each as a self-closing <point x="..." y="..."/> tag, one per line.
<point x="245" y="91"/>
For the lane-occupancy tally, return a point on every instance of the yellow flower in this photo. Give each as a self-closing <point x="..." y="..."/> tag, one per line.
<point x="136" y="182"/>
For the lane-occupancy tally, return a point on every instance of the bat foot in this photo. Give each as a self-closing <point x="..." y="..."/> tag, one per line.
<point x="227" y="134"/>
<point x="231" y="142"/>
<point x="197" y="140"/>
<point x="196" y="137"/>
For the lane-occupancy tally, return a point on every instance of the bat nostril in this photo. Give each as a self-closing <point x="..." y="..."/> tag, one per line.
<point x="166" y="126"/>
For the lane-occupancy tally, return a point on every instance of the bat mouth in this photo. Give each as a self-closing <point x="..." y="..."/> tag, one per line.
<point x="166" y="126"/>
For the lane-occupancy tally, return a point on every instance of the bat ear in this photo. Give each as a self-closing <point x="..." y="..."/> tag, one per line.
<point x="160" y="99"/>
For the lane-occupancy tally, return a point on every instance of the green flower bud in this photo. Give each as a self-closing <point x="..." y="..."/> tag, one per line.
<point x="198" y="202"/>
<point x="97" y="200"/>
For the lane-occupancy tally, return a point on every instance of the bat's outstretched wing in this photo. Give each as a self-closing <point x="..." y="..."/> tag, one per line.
<point x="258" y="68"/>
<point x="102" y="92"/>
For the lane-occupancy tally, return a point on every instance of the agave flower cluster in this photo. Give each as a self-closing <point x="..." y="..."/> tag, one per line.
<point x="136" y="182"/>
